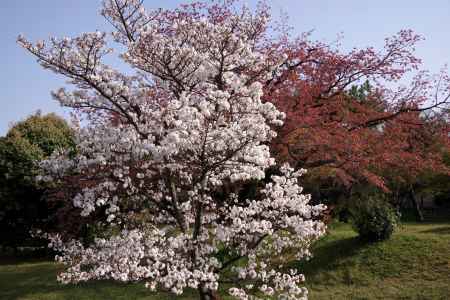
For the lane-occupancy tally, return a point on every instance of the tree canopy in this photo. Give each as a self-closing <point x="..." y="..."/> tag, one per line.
<point x="24" y="146"/>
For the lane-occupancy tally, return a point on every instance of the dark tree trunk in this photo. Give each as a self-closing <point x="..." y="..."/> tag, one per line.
<point x="208" y="294"/>
<point x="416" y="206"/>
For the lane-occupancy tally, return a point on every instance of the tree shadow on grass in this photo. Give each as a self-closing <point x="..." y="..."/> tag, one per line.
<point x="328" y="254"/>
<point x="438" y="230"/>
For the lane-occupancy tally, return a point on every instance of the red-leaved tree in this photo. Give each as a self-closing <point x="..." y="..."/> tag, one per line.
<point x="365" y="116"/>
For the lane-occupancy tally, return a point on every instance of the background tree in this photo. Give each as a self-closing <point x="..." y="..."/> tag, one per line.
<point x="27" y="143"/>
<point x="351" y="121"/>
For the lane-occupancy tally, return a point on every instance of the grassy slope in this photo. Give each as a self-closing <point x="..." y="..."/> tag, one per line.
<point x="414" y="264"/>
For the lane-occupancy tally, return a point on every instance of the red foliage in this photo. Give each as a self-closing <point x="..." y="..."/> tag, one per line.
<point x="364" y="134"/>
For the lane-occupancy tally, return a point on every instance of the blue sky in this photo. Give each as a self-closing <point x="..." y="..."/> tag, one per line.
<point x="25" y="86"/>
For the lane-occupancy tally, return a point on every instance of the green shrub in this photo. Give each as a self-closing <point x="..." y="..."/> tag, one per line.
<point x="374" y="218"/>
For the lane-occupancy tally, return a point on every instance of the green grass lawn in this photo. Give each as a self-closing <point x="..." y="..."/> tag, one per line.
<point x="414" y="264"/>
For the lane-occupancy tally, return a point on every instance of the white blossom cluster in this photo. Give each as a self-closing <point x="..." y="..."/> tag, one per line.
<point x="165" y="146"/>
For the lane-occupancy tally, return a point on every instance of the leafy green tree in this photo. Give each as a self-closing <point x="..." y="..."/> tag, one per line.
<point x="21" y="204"/>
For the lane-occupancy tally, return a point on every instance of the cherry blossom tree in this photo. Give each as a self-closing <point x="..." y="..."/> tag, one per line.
<point x="162" y="147"/>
